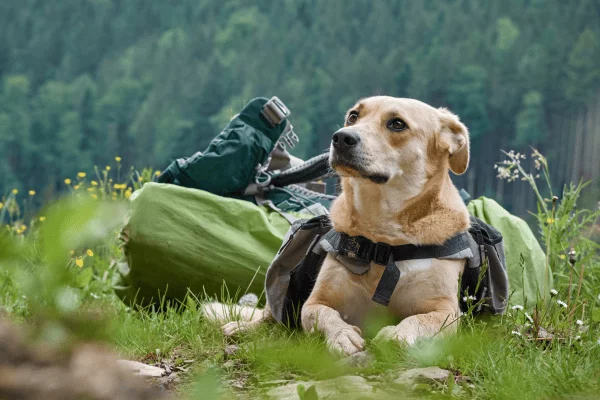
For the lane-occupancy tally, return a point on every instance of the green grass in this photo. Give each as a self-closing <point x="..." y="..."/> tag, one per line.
<point x="500" y="355"/>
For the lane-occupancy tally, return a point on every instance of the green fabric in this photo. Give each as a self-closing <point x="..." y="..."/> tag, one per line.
<point x="229" y="163"/>
<point x="188" y="238"/>
<point x="525" y="277"/>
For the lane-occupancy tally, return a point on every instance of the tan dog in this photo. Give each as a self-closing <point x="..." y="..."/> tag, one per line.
<point x="393" y="156"/>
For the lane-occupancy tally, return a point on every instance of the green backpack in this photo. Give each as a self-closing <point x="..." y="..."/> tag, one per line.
<point x="248" y="160"/>
<point x="525" y="259"/>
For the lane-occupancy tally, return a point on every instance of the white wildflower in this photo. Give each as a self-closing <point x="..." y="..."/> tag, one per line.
<point x="579" y="322"/>
<point x="529" y="317"/>
<point x="553" y="292"/>
<point x="467" y="298"/>
<point x="577" y="337"/>
<point x="503" y="173"/>
<point x="517" y="307"/>
<point x="561" y="303"/>
<point x="517" y="333"/>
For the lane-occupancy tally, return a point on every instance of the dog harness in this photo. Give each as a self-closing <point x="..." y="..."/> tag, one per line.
<point x="357" y="252"/>
<point x="292" y="275"/>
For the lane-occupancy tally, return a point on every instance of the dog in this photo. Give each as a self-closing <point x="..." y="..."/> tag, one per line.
<point x="393" y="156"/>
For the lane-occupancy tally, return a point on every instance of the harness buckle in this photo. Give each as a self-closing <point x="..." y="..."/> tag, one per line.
<point x="382" y="253"/>
<point x="350" y="246"/>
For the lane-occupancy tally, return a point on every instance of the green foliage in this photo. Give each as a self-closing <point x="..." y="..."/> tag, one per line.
<point x="154" y="81"/>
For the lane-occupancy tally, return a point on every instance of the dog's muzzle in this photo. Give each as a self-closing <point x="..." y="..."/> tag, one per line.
<point x="347" y="153"/>
<point x="344" y="141"/>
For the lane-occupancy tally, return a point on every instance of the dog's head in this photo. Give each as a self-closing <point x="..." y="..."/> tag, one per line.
<point x="386" y="137"/>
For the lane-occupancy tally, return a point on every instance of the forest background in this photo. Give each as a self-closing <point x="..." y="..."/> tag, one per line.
<point x="82" y="82"/>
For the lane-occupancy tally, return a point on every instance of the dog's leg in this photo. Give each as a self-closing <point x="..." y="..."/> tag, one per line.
<point x="410" y="329"/>
<point x="341" y="336"/>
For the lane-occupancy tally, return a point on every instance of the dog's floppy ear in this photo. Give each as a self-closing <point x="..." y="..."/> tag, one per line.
<point x="455" y="135"/>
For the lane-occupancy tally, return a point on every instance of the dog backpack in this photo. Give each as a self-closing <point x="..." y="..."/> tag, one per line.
<point x="292" y="275"/>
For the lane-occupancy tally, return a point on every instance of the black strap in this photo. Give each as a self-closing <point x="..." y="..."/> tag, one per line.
<point x="362" y="249"/>
<point x="387" y="284"/>
<point x="313" y="169"/>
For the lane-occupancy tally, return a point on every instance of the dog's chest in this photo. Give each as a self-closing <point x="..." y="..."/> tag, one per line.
<point x="421" y="284"/>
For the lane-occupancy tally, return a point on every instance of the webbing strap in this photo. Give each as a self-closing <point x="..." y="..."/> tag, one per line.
<point x="261" y="201"/>
<point x="387" y="284"/>
<point x="364" y="250"/>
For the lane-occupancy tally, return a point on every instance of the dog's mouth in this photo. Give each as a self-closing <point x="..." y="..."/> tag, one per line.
<point x="351" y="168"/>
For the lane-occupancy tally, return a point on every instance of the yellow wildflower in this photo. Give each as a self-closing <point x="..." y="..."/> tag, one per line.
<point x="42" y="219"/>
<point x="90" y="253"/>
<point x="562" y="256"/>
<point x="67" y="181"/>
<point x="91" y="189"/>
<point x="23" y="228"/>
<point x="95" y="196"/>
<point x="32" y="192"/>
<point x="79" y="262"/>
<point x="108" y="167"/>
<point x="127" y="194"/>
<point x="94" y="183"/>
<point x="1" y="206"/>
<point x="76" y="187"/>
<point x="15" y="191"/>
<point x="118" y="159"/>
<point x="157" y="173"/>
<point x="550" y="220"/>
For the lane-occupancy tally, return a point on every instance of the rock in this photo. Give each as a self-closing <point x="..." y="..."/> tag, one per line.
<point x="352" y="387"/>
<point x="362" y="359"/>
<point x="231" y="350"/>
<point x="87" y="371"/>
<point x="142" y="369"/>
<point x="422" y="375"/>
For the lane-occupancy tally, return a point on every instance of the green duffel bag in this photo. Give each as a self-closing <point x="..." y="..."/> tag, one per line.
<point x="525" y="259"/>
<point x="208" y="241"/>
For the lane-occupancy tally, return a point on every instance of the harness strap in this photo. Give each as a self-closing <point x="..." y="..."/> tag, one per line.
<point x="387" y="284"/>
<point x="363" y="250"/>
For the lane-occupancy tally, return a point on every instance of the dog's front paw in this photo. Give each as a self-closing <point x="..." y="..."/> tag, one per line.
<point x="235" y="327"/>
<point x="395" y="333"/>
<point x="347" y="341"/>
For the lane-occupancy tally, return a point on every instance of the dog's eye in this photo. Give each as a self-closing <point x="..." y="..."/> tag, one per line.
<point x="397" y="125"/>
<point x="352" y="117"/>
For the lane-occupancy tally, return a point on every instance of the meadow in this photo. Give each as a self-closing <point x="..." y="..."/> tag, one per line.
<point x="57" y="265"/>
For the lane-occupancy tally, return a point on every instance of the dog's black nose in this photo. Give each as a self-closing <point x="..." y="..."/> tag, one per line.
<point x="343" y="140"/>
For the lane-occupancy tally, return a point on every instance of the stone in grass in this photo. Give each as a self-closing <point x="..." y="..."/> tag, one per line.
<point x="415" y="376"/>
<point x="142" y="369"/>
<point x="352" y="387"/>
<point x="362" y="359"/>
